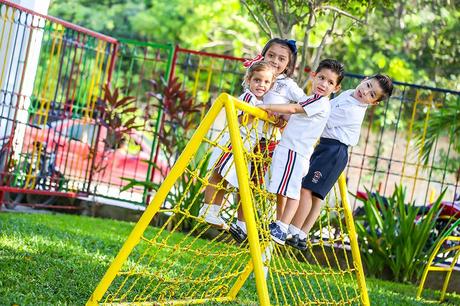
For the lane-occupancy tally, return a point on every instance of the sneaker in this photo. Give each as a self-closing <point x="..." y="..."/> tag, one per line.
<point x="296" y="242"/>
<point x="213" y="219"/>
<point x="237" y="233"/>
<point x="271" y="226"/>
<point x="277" y="234"/>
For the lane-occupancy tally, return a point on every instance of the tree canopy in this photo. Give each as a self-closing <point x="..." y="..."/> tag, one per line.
<point x="413" y="41"/>
<point x="215" y="26"/>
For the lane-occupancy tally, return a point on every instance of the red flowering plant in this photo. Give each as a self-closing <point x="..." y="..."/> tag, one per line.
<point x="117" y="114"/>
<point x="179" y="117"/>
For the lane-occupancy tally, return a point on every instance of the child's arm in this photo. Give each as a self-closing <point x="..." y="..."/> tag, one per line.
<point x="292" y="108"/>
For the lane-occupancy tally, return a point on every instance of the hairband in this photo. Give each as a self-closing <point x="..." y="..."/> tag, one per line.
<point x="292" y="46"/>
<point x="249" y="63"/>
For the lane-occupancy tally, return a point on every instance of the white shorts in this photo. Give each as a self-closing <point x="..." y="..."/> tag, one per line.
<point x="222" y="161"/>
<point x="286" y="172"/>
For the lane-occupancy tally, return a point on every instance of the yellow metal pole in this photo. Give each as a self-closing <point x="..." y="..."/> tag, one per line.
<point x="90" y="102"/>
<point x="5" y="20"/>
<point x="427" y="268"/>
<point x="419" y="158"/>
<point x="449" y="273"/>
<point x="245" y="194"/>
<point x="241" y="280"/>
<point x="432" y="195"/>
<point x="156" y="202"/>
<point x="409" y="136"/>
<point x="353" y="240"/>
<point x="197" y="77"/>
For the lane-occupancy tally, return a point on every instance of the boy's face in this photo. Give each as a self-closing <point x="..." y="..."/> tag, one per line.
<point x="260" y="82"/>
<point x="325" y="82"/>
<point x="368" y="92"/>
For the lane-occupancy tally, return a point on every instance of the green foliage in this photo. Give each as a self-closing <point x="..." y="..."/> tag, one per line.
<point x="392" y="238"/>
<point x="55" y="259"/>
<point x="180" y="112"/>
<point x="183" y="117"/>
<point x="314" y="24"/>
<point x="198" y="24"/>
<point x="444" y="121"/>
<point x="118" y="115"/>
<point x="412" y="41"/>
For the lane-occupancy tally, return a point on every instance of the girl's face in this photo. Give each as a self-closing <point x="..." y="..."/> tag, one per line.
<point x="260" y="82"/>
<point x="278" y="56"/>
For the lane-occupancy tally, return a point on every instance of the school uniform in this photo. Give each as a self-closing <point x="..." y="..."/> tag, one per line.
<point x="331" y="154"/>
<point x="285" y="90"/>
<point x="291" y="157"/>
<point x="222" y="160"/>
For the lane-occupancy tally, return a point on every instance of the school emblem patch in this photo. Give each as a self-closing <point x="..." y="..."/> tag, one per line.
<point x="316" y="176"/>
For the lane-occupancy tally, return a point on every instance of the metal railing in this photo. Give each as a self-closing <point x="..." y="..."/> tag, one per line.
<point x="52" y="75"/>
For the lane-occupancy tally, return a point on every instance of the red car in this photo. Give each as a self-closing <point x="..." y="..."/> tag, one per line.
<point x="70" y="141"/>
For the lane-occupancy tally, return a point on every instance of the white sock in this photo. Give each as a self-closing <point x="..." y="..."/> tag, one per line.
<point x="293" y="230"/>
<point x="284" y="226"/>
<point x="210" y="209"/>
<point x="204" y="208"/>
<point x="214" y="209"/>
<point x="242" y="225"/>
<point x="302" y="235"/>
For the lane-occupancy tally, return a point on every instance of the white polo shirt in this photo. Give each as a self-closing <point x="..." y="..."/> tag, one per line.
<point x="285" y="90"/>
<point x="303" y="130"/>
<point x="250" y="98"/>
<point x="346" y="118"/>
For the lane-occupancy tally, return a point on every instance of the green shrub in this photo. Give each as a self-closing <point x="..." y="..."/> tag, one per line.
<point x="395" y="242"/>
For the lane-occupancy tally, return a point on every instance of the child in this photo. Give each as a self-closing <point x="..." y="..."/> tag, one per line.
<point x="282" y="56"/>
<point x="291" y="157"/>
<point x="259" y="79"/>
<point x="331" y="154"/>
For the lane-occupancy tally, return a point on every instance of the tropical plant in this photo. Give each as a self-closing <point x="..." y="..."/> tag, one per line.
<point x="444" y="121"/>
<point x="395" y="240"/>
<point x="183" y="117"/>
<point x="118" y="115"/>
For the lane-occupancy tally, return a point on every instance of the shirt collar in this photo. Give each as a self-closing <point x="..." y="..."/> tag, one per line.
<point x="355" y="101"/>
<point x="281" y="76"/>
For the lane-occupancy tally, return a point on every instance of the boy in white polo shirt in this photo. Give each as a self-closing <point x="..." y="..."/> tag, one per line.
<point x="291" y="157"/>
<point x="331" y="154"/>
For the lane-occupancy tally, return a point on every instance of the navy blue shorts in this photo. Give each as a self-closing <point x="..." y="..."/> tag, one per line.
<point x="326" y="164"/>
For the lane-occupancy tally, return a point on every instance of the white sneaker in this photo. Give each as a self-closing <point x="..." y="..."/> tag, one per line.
<point x="213" y="218"/>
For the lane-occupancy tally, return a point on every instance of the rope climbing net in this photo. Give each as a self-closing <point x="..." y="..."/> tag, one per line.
<point x="188" y="261"/>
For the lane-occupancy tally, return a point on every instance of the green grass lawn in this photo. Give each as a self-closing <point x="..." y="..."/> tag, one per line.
<point x="57" y="259"/>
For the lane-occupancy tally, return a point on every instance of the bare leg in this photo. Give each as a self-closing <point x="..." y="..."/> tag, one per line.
<point x="313" y="215"/>
<point x="280" y="204"/>
<point x="289" y="210"/>
<point x="304" y="209"/>
<point x="240" y="213"/>
<point x="211" y="195"/>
